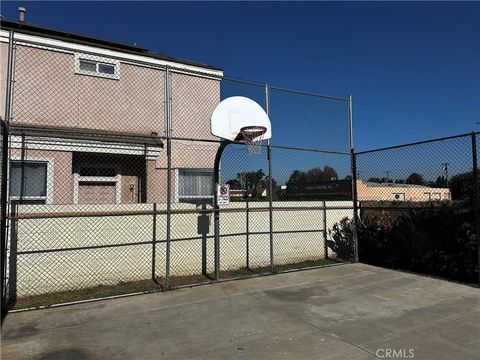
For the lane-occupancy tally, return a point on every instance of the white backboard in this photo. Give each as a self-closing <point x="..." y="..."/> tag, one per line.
<point x="237" y="112"/>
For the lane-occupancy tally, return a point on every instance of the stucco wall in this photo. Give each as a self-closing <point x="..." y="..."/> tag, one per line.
<point x="67" y="270"/>
<point x="49" y="92"/>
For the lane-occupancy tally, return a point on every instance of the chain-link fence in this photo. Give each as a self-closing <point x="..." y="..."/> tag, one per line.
<point x="110" y="169"/>
<point x="109" y="176"/>
<point x="418" y="207"/>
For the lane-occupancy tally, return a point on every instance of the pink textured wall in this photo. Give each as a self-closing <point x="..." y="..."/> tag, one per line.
<point x="49" y="92"/>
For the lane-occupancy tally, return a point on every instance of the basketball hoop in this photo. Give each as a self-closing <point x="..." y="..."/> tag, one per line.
<point x="252" y="136"/>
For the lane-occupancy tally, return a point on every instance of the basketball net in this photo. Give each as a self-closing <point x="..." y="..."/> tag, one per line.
<point x="253" y="138"/>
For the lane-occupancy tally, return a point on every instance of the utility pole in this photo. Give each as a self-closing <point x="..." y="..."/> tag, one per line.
<point x="445" y="171"/>
<point x="387" y="173"/>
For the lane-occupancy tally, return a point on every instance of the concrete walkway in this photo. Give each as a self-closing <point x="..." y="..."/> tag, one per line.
<point x="343" y="312"/>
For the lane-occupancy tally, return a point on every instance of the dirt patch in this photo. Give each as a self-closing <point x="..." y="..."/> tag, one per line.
<point x="146" y="286"/>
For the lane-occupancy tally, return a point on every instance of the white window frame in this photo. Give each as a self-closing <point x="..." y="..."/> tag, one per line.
<point x="50" y="168"/>
<point x="77" y="179"/>
<point x="179" y="197"/>
<point x="98" y="60"/>
<point x="436" y="196"/>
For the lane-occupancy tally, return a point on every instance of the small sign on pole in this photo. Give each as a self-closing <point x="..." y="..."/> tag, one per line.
<point x="223" y="194"/>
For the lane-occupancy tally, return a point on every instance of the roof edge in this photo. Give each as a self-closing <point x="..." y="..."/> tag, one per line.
<point x="39" y="30"/>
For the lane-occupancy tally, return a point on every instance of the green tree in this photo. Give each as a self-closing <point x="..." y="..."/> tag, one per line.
<point x="314" y="175"/>
<point x="415" y="178"/>
<point x="234" y="184"/>
<point x="462" y="186"/>
<point x="252" y="181"/>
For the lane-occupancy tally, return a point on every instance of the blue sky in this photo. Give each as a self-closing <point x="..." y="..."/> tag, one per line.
<point x="413" y="69"/>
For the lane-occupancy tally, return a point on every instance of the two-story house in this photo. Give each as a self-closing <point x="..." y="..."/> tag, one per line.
<point x="88" y="116"/>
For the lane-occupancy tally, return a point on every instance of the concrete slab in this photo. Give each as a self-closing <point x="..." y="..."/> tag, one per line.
<point x="350" y="311"/>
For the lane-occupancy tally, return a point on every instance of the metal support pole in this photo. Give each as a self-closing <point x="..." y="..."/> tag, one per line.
<point x="204" y="243"/>
<point x="350" y="122"/>
<point x="325" y="238"/>
<point x="9" y="88"/>
<point x="270" y="207"/>
<point x="248" y="234"/>
<point x="154" y="239"/>
<point x="354" y="178"/>
<point x="355" y="204"/>
<point x="22" y="169"/>
<point x="270" y="183"/>
<point x="12" y="272"/>
<point x="168" y="111"/>
<point x="5" y="166"/>
<point x="3" y="215"/>
<point x="216" y="209"/>
<point x="476" y="193"/>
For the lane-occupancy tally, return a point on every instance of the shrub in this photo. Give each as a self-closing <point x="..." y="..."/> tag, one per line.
<point x="342" y="242"/>
<point x="438" y="239"/>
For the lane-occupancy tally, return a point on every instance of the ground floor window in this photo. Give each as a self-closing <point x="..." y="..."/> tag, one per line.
<point x="195" y="185"/>
<point x="32" y="187"/>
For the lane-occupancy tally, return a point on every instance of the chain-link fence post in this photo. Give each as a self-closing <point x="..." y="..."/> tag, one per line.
<point x="270" y="185"/>
<point x="476" y="193"/>
<point x="12" y="271"/>
<point x="154" y="239"/>
<point x="247" y="210"/>
<point x="354" y="180"/>
<point x="5" y="166"/>
<point x="3" y="213"/>
<point x="168" y="129"/>
<point x="355" y="205"/>
<point x="325" y="229"/>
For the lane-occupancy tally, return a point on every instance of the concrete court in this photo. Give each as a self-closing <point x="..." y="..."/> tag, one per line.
<point x="349" y="311"/>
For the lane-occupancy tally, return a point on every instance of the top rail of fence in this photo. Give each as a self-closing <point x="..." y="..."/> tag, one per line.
<point x="418" y="143"/>
<point x="254" y="83"/>
<point x="101" y="214"/>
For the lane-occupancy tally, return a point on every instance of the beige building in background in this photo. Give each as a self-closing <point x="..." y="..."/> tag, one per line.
<point x="90" y="114"/>
<point x="371" y="191"/>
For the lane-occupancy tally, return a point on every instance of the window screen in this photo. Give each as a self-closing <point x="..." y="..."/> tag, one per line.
<point x="94" y="67"/>
<point x="35" y="179"/>
<point x="195" y="183"/>
<point x="88" y="66"/>
<point x="106" y="69"/>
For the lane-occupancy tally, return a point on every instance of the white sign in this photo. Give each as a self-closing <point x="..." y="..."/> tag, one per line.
<point x="223" y="194"/>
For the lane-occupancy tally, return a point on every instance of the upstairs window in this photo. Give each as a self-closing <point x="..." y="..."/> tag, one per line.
<point x="97" y="66"/>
